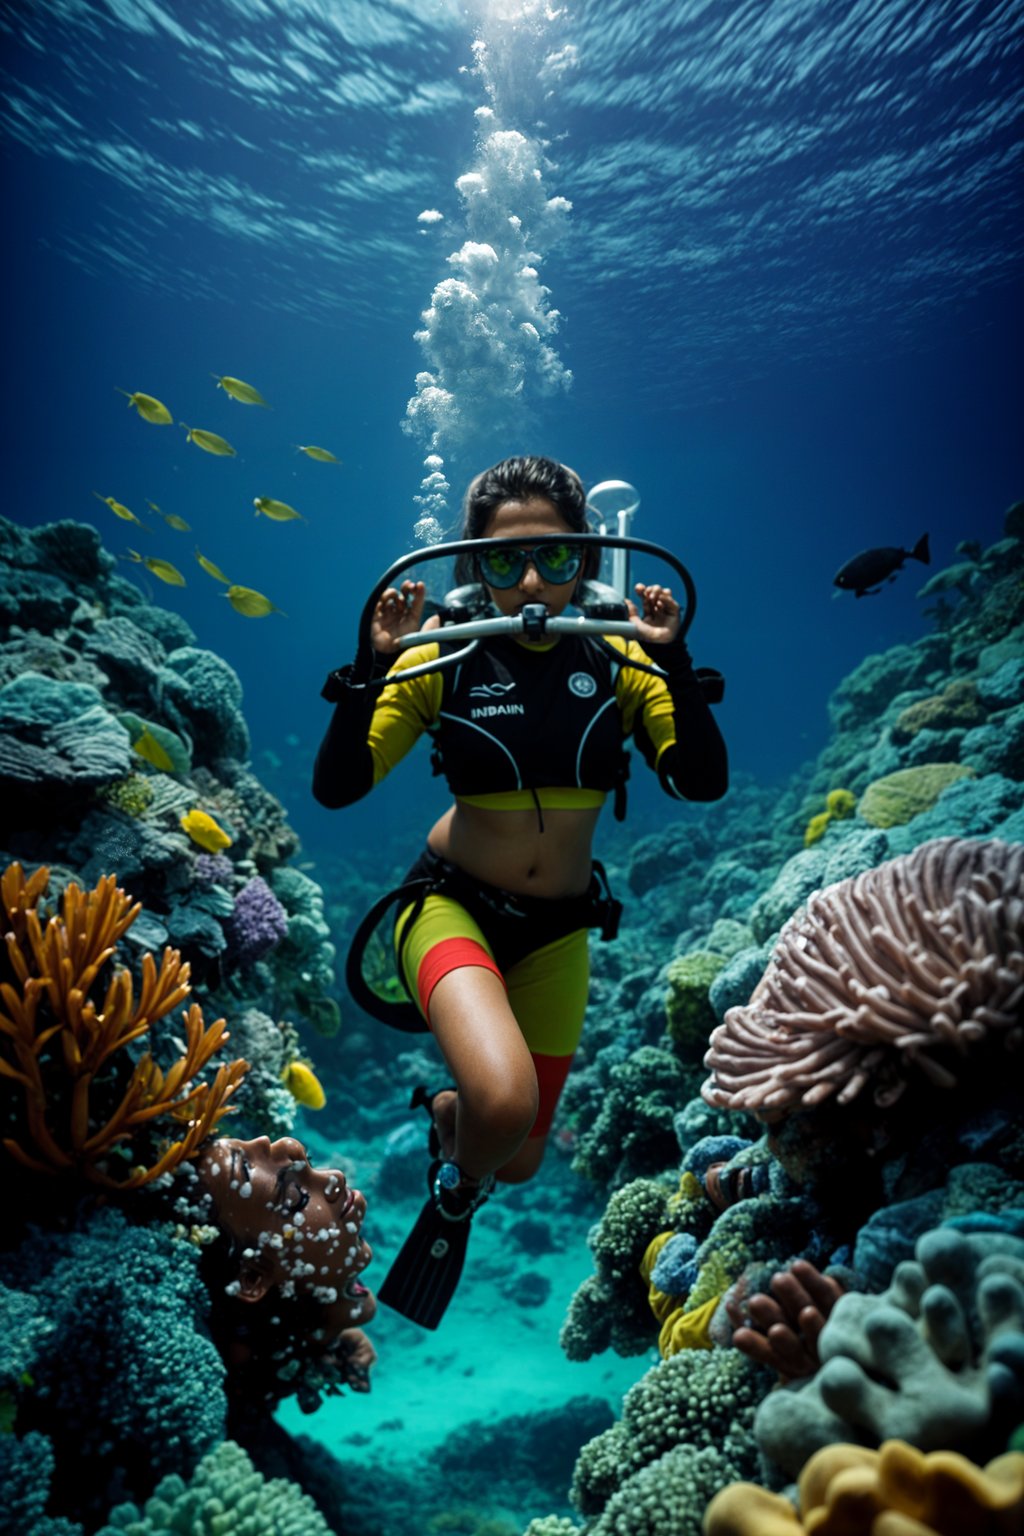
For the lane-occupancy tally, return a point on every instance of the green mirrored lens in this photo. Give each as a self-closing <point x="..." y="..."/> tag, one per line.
<point x="556" y="563"/>
<point x="502" y="567"/>
<point x="559" y="562"/>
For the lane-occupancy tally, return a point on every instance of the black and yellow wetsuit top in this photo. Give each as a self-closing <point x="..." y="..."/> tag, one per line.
<point x="519" y="724"/>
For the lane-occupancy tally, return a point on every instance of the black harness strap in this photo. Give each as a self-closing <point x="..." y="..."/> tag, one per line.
<point x="595" y="908"/>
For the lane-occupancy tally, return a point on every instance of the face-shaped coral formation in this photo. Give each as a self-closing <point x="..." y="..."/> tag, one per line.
<point x="295" y="1227"/>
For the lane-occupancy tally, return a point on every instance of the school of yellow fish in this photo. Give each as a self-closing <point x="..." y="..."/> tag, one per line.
<point x="244" y="600"/>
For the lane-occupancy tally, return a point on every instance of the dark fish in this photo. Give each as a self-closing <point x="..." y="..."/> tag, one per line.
<point x="865" y="573"/>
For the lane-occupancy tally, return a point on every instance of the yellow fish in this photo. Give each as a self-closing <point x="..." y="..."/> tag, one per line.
<point x="170" y="518"/>
<point x="239" y="390"/>
<point x="252" y="604"/>
<point x="120" y="510"/>
<point x="211" y="569"/>
<point x="163" y="569"/>
<point x="148" y="747"/>
<point x="322" y="455"/>
<point x="202" y="829"/>
<point x="304" y="1085"/>
<point x="148" y="407"/>
<point x="280" y="511"/>
<point x="209" y="442"/>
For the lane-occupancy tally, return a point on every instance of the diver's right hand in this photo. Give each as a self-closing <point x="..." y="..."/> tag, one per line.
<point x="398" y="613"/>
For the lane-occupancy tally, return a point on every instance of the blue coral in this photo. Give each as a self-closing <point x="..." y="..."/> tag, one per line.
<point x="122" y="1366"/>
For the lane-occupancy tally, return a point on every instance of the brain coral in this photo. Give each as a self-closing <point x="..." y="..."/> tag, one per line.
<point x="914" y="965"/>
<point x="900" y="796"/>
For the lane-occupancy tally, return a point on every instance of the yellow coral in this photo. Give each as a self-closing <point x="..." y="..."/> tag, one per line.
<point x="847" y="1490"/>
<point x="51" y="972"/>
<point x="681" y="1328"/>
<point x="815" y="829"/>
<point x="684" y="1329"/>
<point x="841" y="803"/>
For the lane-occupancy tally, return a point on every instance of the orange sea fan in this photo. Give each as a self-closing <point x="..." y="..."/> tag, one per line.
<point x="57" y="1042"/>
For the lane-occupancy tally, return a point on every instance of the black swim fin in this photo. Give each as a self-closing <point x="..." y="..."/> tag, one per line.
<point x="422" y="1280"/>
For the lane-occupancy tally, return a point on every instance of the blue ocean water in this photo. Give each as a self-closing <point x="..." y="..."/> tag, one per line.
<point x="782" y="241"/>
<point x="788" y="287"/>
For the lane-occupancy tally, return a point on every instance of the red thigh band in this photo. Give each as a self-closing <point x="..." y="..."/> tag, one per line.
<point x="552" y="1072"/>
<point x="449" y="955"/>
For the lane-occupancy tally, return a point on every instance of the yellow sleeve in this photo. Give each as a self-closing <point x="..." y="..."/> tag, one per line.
<point x="404" y="710"/>
<point x="643" y="698"/>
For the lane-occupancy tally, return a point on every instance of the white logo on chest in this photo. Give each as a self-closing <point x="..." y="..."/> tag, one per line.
<point x="490" y="690"/>
<point x="582" y="685"/>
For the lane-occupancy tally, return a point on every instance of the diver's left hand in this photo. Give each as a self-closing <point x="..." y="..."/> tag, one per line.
<point x="661" y="618"/>
<point x="355" y="1355"/>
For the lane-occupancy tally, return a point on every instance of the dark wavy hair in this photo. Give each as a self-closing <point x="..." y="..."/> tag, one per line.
<point x="521" y="479"/>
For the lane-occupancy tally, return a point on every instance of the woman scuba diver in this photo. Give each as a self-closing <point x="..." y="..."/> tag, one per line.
<point x="530" y="735"/>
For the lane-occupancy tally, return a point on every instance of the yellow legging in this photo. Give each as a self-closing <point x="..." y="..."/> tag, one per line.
<point x="547" y="989"/>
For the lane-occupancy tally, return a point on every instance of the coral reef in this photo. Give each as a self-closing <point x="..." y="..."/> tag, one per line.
<point x="913" y="966"/>
<point x="898" y="797"/>
<point x="781" y="1329"/>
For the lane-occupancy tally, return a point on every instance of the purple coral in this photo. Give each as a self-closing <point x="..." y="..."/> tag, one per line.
<point x="213" y="869"/>
<point x="258" y="922"/>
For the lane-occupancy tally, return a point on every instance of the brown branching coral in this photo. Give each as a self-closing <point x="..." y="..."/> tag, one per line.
<point x="910" y="966"/>
<point x="58" y="1043"/>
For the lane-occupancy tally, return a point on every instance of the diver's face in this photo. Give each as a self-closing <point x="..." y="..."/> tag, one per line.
<point x="300" y="1226"/>
<point x="523" y="520"/>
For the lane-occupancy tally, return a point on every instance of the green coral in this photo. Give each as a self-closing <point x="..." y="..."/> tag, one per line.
<point x="690" y="1016"/>
<point x="610" y="1310"/>
<point x="899" y="797"/>
<point x="936" y="1360"/>
<point x="133" y="794"/>
<point x="957" y="706"/>
<point x="688" y="1421"/>
<point x="633" y="1134"/>
<point x="27" y="1469"/>
<point x="226" y="1497"/>
<point x="553" y="1525"/>
<point x="669" y="1497"/>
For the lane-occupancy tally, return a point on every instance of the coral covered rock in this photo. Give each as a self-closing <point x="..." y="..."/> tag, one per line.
<point x="937" y="1359"/>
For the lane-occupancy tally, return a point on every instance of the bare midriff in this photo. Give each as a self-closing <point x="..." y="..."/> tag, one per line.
<point x="508" y="848"/>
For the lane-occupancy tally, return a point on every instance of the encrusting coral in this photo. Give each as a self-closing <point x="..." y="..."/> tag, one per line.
<point x="936" y="1360"/>
<point x="58" y="1043"/>
<point x="914" y="964"/>
<point x="846" y="1489"/>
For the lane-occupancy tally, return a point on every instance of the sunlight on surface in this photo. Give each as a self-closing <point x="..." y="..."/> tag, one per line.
<point x="515" y="10"/>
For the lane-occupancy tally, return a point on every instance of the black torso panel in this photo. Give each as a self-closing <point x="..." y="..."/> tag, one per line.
<point x="515" y="718"/>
